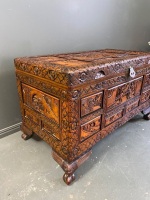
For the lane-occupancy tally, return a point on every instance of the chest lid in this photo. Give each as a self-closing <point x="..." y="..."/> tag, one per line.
<point x="77" y="68"/>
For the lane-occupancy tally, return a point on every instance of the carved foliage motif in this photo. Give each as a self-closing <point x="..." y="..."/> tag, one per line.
<point x="70" y="127"/>
<point x="42" y="85"/>
<point x="43" y="72"/>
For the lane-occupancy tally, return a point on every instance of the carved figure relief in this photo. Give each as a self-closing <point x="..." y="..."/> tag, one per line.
<point x="121" y="94"/>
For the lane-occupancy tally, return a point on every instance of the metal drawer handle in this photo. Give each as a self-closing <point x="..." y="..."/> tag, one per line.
<point x="132" y="72"/>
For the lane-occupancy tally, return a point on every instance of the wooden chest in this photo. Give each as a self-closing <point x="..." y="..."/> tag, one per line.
<point x="74" y="100"/>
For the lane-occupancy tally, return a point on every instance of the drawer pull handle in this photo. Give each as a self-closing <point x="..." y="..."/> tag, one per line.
<point x="100" y="74"/>
<point x="132" y="72"/>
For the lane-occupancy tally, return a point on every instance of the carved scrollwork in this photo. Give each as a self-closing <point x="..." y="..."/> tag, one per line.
<point x="52" y="75"/>
<point x="35" y="70"/>
<point x="82" y="77"/>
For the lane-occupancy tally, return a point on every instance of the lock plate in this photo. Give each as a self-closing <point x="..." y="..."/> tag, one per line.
<point x="132" y="72"/>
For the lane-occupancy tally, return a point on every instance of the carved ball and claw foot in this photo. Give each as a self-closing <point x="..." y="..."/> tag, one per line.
<point x="27" y="134"/>
<point x="68" y="178"/>
<point x="70" y="168"/>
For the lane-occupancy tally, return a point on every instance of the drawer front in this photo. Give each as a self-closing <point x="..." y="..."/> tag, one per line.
<point x="90" y="128"/>
<point x="132" y="106"/>
<point x="121" y="94"/>
<point x="45" y="104"/>
<point x="111" y="117"/>
<point x="91" y="103"/>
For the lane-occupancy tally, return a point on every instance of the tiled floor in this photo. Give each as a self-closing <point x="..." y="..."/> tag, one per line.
<point x="119" y="168"/>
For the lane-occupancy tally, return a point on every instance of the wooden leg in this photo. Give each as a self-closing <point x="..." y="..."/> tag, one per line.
<point x="70" y="168"/>
<point x="27" y="133"/>
<point x="146" y="114"/>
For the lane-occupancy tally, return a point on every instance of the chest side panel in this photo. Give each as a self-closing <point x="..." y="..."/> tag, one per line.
<point x="47" y="105"/>
<point x="41" y="110"/>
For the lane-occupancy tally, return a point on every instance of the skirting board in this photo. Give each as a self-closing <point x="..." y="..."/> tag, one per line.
<point x="9" y="130"/>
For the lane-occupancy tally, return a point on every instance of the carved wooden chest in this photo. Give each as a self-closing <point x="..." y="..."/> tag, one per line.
<point x="74" y="100"/>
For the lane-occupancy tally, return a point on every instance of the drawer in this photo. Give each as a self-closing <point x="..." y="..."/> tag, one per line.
<point x="91" y="103"/>
<point x="131" y="106"/>
<point x="45" y="104"/>
<point x="112" y="117"/>
<point x="121" y="94"/>
<point x="90" y="128"/>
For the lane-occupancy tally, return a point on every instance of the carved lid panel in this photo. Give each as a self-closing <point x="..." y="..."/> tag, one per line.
<point x="77" y="68"/>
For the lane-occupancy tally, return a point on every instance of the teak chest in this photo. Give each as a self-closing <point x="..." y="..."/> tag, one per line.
<point x="74" y="100"/>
